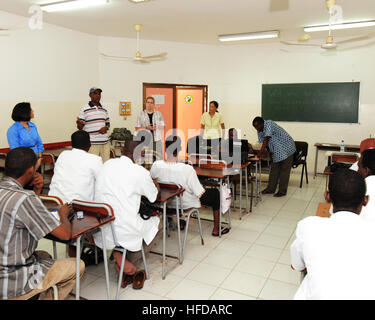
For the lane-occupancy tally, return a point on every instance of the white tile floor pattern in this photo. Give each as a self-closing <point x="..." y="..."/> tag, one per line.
<point x="251" y="262"/>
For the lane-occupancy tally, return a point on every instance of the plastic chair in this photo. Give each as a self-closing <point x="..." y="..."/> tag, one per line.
<point x="300" y="159"/>
<point x="54" y="202"/>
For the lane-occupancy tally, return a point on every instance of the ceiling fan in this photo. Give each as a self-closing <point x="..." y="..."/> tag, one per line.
<point x="138" y="56"/>
<point x="279" y="5"/>
<point x="330" y="43"/>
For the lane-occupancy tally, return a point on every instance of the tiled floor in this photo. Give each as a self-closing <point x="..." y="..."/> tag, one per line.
<point x="251" y="262"/>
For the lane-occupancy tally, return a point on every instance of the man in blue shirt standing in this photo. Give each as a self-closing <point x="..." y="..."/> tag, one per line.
<point x="282" y="148"/>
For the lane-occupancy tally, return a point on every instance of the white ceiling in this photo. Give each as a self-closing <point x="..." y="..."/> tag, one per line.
<point x="198" y="21"/>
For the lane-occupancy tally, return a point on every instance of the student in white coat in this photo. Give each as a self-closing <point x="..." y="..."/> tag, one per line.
<point x="76" y="170"/>
<point x="366" y="166"/>
<point x="337" y="252"/>
<point x="121" y="183"/>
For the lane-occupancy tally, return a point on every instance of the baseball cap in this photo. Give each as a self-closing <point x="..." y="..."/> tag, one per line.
<point x="367" y="144"/>
<point x="93" y="89"/>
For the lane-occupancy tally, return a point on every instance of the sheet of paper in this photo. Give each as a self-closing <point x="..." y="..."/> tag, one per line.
<point x="159" y="98"/>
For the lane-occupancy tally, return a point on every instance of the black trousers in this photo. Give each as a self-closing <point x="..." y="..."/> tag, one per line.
<point x="211" y="198"/>
<point x="279" y="175"/>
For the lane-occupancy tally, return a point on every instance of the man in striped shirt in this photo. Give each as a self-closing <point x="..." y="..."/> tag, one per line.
<point x="94" y="119"/>
<point x="24" y="220"/>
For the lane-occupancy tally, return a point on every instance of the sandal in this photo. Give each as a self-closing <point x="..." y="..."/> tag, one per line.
<point x="139" y="279"/>
<point x="127" y="279"/>
<point x="223" y="231"/>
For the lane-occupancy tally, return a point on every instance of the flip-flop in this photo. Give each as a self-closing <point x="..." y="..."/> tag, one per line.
<point x="223" y="231"/>
<point x="139" y="279"/>
<point x="127" y="279"/>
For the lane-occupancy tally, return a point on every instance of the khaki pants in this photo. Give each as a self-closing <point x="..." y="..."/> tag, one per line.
<point x="62" y="274"/>
<point x="280" y="173"/>
<point x="101" y="150"/>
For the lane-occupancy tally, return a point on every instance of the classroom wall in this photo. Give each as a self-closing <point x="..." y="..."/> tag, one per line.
<point x="234" y="74"/>
<point x="52" y="68"/>
<point x="55" y="67"/>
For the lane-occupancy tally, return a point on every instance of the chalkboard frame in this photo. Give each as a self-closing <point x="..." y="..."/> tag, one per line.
<point x="340" y="96"/>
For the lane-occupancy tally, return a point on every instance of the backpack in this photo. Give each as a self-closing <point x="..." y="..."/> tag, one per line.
<point x="121" y="134"/>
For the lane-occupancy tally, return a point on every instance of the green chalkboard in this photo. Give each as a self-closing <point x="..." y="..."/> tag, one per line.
<point x="311" y="102"/>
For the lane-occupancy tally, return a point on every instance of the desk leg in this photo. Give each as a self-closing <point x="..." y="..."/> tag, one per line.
<point x="240" y="194"/>
<point x="78" y="260"/>
<point x="247" y="190"/>
<point x="178" y="227"/>
<point x="105" y="262"/>
<point x="228" y="212"/>
<point x="221" y="182"/>
<point x="164" y="229"/>
<point x="316" y="161"/>
<point x="260" y="180"/>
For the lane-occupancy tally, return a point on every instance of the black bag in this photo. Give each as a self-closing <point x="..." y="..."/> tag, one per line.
<point x="339" y="165"/>
<point x="88" y="256"/>
<point x="148" y="209"/>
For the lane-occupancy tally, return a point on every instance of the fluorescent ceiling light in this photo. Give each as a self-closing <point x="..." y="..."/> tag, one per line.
<point x="348" y="25"/>
<point x="249" y="36"/>
<point x="71" y="4"/>
<point x="138" y="1"/>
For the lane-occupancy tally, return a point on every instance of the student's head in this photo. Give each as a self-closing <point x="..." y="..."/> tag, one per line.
<point x="347" y="191"/>
<point x="22" y="112"/>
<point x="367" y="144"/>
<point x="213" y="106"/>
<point x="130" y="149"/>
<point x="366" y="163"/>
<point x="20" y="163"/>
<point x="172" y="146"/>
<point x="81" y="140"/>
<point x="150" y="103"/>
<point x="232" y="134"/>
<point x="258" y="124"/>
<point x="95" y="94"/>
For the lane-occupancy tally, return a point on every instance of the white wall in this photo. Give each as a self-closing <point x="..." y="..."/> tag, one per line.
<point x="52" y="68"/>
<point x="55" y="67"/>
<point x="235" y="75"/>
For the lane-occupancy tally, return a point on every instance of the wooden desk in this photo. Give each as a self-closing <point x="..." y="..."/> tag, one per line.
<point x="333" y="147"/>
<point x="168" y="192"/>
<point x="323" y="210"/>
<point x="92" y="220"/>
<point x="57" y="152"/>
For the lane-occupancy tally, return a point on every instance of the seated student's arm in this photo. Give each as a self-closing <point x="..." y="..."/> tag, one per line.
<point x="194" y="183"/>
<point x="64" y="230"/>
<point x="13" y="138"/>
<point x="37" y="183"/>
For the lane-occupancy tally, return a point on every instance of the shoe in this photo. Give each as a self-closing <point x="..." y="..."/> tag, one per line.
<point x="223" y="231"/>
<point x="266" y="191"/>
<point x="182" y="225"/>
<point x="278" y="195"/>
<point x="127" y="279"/>
<point x="139" y="279"/>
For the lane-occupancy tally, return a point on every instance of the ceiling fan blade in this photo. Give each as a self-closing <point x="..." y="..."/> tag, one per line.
<point x="160" y="55"/>
<point x="300" y="44"/>
<point x="366" y="37"/>
<point x="116" y="57"/>
<point x="279" y="5"/>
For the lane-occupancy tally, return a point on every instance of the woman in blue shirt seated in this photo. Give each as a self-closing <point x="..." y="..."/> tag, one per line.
<point x="23" y="133"/>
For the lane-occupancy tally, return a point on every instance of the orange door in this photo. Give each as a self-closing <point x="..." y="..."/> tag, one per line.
<point x="163" y="103"/>
<point x="189" y="109"/>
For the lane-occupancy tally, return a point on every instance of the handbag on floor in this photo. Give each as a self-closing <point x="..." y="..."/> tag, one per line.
<point x="226" y="198"/>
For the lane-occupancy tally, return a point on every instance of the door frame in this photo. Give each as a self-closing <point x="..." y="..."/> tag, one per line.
<point x="175" y="86"/>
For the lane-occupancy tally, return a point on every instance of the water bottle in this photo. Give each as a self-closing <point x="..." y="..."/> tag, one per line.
<point x="342" y="146"/>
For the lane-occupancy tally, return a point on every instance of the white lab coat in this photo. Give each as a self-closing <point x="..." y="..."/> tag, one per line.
<point x="338" y="253"/>
<point x="74" y="175"/>
<point x="121" y="183"/>
<point x="181" y="174"/>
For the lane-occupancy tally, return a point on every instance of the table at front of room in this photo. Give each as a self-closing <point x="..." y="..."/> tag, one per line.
<point x="331" y="147"/>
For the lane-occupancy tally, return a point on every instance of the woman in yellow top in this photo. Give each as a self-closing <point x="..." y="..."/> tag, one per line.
<point x="212" y="125"/>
